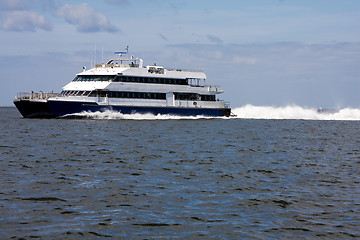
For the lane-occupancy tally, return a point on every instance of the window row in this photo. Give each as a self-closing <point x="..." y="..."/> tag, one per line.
<point x="176" y="81"/>
<point x="140" y="95"/>
<point x="136" y="79"/>
<point x="86" y="78"/>
<point x="75" y="93"/>
<point x="194" y="97"/>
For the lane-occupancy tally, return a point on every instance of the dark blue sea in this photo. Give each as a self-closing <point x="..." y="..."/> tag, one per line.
<point x="111" y="177"/>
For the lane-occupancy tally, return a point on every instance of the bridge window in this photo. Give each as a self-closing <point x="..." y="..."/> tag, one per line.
<point x="101" y="78"/>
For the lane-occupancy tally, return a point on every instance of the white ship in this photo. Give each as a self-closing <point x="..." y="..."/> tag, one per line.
<point x="125" y="85"/>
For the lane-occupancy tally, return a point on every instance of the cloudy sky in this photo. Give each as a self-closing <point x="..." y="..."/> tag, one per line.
<point x="263" y="52"/>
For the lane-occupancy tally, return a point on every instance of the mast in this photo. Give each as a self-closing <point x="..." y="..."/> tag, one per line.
<point x="122" y="52"/>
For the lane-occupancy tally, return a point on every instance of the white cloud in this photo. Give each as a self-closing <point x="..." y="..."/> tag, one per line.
<point x="85" y="18"/>
<point x="24" y="21"/>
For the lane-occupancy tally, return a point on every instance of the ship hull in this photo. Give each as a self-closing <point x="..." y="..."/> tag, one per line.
<point x="56" y="109"/>
<point x="33" y="109"/>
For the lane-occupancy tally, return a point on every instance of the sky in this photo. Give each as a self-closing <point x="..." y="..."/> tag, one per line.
<point x="263" y="52"/>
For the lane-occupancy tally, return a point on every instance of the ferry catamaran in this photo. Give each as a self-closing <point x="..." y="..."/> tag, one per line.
<point x="126" y="86"/>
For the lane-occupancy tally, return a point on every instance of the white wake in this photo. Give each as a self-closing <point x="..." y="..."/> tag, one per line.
<point x="295" y="112"/>
<point x="244" y="112"/>
<point x="114" y="115"/>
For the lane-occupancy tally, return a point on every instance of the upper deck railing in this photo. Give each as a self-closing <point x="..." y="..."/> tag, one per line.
<point x="183" y="70"/>
<point x="121" y="62"/>
<point x="117" y="65"/>
<point x="36" y="96"/>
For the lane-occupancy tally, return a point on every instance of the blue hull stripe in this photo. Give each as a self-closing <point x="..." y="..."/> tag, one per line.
<point x="61" y="108"/>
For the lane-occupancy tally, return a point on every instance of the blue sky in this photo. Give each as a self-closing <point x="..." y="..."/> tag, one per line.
<point x="263" y="52"/>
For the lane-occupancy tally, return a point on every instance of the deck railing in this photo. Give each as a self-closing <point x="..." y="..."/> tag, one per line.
<point x="36" y="96"/>
<point x="116" y="65"/>
<point x="227" y="104"/>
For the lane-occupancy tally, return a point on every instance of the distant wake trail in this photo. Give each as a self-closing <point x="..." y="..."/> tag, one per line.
<point x="244" y="112"/>
<point x="294" y="112"/>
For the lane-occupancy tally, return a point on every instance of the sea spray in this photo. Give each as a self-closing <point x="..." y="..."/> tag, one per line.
<point x="244" y="112"/>
<point x="114" y="115"/>
<point x="295" y="112"/>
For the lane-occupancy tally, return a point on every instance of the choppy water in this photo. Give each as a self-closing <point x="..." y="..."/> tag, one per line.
<point x="178" y="178"/>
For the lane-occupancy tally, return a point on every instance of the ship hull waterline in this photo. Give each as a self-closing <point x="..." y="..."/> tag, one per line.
<point x="59" y="109"/>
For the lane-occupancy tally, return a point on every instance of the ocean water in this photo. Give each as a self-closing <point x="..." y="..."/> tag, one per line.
<point x="270" y="173"/>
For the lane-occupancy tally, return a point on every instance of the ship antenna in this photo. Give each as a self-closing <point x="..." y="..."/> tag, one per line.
<point x="95" y="56"/>
<point x="121" y="53"/>
<point x="102" y="55"/>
